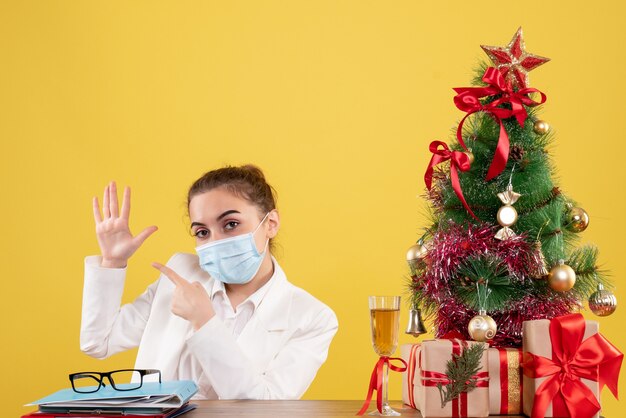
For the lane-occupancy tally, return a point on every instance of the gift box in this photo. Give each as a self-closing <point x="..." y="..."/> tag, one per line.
<point x="408" y="354"/>
<point x="426" y="367"/>
<point x="505" y="381"/>
<point x="565" y="365"/>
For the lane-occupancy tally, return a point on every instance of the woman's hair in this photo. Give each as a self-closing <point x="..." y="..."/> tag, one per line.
<point x="246" y="181"/>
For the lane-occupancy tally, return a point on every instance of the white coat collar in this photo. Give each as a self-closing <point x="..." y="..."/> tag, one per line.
<point x="254" y="299"/>
<point x="273" y="310"/>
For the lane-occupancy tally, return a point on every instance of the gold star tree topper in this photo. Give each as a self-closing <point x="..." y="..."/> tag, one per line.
<point x="513" y="61"/>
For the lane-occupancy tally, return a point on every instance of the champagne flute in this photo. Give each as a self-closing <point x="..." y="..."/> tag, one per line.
<point x="384" y="319"/>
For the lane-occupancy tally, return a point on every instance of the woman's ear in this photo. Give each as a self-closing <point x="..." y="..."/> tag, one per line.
<point x="273" y="223"/>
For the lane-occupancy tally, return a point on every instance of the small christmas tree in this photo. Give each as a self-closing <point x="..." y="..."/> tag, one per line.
<point x="502" y="245"/>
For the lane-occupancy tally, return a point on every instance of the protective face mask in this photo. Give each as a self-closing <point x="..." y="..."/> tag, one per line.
<point x="233" y="260"/>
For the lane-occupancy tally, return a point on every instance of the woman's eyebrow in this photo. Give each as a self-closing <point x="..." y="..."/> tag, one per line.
<point x="228" y="212"/>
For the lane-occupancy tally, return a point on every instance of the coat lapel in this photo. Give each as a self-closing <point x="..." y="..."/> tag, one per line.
<point x="172" y="331"/>
<point x="270" y="321"/>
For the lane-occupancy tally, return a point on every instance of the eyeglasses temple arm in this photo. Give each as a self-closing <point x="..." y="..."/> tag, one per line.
<point x="152" y="371"/>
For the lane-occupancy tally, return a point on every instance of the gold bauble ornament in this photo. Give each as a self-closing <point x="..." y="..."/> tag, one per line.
<point x="602" y="302"/>
<point x="541" y="127"/>
<point x="577" y="219"/>
<point x="561" y="277"/>
<point x="415" y="253"/>
<point x="470" y="156"/>
<point x="482" y="327"/>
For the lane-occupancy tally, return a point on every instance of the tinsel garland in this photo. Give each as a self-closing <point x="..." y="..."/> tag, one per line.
<point x="455" y="316"/>
<point x="436" y="281"/>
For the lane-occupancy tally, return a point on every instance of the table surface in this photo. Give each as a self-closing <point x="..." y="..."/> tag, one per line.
<point x="270" y="409"/>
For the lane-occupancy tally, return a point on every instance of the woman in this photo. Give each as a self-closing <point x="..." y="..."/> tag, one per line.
<point x="227" y="317"/>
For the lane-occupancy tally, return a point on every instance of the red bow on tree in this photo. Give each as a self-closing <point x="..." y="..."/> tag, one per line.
<point x="458" y="161"/>
<point x="572" y="359"/>
<point x="468" y="100"/>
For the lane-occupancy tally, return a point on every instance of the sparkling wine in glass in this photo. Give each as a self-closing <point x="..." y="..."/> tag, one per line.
<point x="385" y="321"/>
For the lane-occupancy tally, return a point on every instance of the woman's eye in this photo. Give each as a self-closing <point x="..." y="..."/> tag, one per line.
<point x="231" y="225"/>
<point x="201" y="233"/>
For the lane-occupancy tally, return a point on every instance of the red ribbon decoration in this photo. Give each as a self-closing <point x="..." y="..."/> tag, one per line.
<point x="453" y="335"/>
<point x="376" y="382"/>
<point x="504" y="381"/>
<point x="411" y="375"/>
<point x="458" y="161"/>
<point x="468" y="100"/>
<point x="431" y="379"/>
<point x="505" y="407"/>
<point x="572" y="359"/>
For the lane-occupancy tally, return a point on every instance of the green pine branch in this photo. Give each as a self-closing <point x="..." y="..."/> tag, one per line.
<point x="588" y="275"/>
<point x="460" y="371"/>
<point x="491" y="274"/>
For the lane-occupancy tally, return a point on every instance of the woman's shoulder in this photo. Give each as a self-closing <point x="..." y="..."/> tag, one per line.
<point x="182" y="258"/>
<point x="304" y="302"/>
<point x="306" y="308"/>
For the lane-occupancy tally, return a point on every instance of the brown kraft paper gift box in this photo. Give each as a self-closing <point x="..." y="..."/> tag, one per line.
<point x="419" y="391"/>
<point x="536" y="340"/>
<point x="408" y="353"/>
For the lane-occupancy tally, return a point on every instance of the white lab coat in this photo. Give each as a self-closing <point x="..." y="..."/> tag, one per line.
<point x="276" y="356"/>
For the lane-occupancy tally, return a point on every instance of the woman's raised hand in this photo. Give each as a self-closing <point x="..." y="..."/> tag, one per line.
<point x="116" y="241"/>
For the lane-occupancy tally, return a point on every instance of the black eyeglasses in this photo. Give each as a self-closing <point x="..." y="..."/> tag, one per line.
<point x="125" y="379"/>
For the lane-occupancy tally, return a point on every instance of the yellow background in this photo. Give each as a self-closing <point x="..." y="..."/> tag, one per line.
<point x="336" y="100"/>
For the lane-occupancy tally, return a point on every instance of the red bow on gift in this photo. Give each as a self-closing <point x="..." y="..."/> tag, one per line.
<point x="468" y="100"/>
<point x="572" y="359"/>
<point x="458" y="161"/>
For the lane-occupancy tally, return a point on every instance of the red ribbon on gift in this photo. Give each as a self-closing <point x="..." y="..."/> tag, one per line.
<point x="450" y="335"/>
<point x="432" y="379"/>
<point x="468" y="100"/>
<point x="376" y="382"/>
<point x="505" y="407"/>
<point x="458" y="161"/>
<point x="572" y="359"/>
<point x="453" y="335"/>
<point x="411" y="375"/>
<point x="459" y="406"/>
